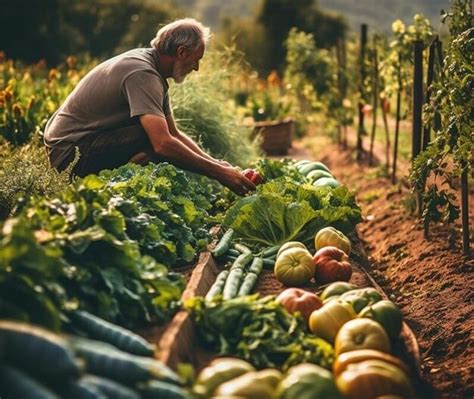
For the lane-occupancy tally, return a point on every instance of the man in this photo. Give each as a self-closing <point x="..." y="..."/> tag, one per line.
<point x="120" y="111"/>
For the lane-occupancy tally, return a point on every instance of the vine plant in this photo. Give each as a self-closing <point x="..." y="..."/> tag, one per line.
<point x="451" y="152"/>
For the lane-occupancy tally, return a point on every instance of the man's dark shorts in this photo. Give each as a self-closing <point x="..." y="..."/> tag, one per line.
<point x="104" y="150"/>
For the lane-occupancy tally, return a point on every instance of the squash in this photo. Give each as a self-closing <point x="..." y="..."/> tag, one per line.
<point x="294" y="267"/>
<point x="329" y="236"/>
<point x="332" y="264"/>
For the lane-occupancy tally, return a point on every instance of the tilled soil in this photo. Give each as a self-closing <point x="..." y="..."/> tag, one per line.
<point x="430" y="280"/>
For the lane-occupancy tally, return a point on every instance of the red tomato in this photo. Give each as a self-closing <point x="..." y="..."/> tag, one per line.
<point x="332" y="264"/>
<point x="296" y="299"/>
<point x="253" y="175"/>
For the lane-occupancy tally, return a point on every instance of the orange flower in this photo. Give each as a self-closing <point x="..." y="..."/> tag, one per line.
<point x="71" y="61"/>
<point x="3" y="57"/>
<point x="17" y="111"/>
<point x="53" y="74"/>
<point x="273" y="79"/>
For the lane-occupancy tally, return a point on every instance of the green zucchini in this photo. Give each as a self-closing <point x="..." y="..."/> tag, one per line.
<point x="224" y="244"/>
<point x="15" y="384"/>
<point x="218" y="285"/>
<point x="270" y="251"/>
<point x="107" y="361"/>
<point x="35" y="350"/>
<point x="99" y="329"/>
<point x="242" y="248"/>
<point x="232" y="284"/>
<point x="305" y="169"/>
<point x="242" y="261"/>
<point x="110" y="388"/>
<point x="229" y="259"/>
<point x="326" y="182"/>
<point x="248" y="284"/>
<point x="256" y="266"/>
<point x="163" y="390"/>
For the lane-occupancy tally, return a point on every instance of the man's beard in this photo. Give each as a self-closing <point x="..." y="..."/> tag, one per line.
<point x="178" y="73"/>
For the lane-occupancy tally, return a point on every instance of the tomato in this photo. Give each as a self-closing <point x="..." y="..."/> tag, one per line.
<point x="219" y="371"/>
<point x="254" y="385"/>
<point x="308" y="381"/>
<point x="387" y="314"/>
<point x="371" y="379"/>
<point x="327" y="321"/>
<point x="290" y="244"/>
<point x="337" y="288"/>
<point x="332" y="264"/>
<point x="298" y="300"/>
<point x="253" y="175"/>
<point x="294" y="267"/>
<point x="362" y="297"/>
<point x="357" y="356"/>
<point x="361" y="334"/>
<point x="330" y="237"/>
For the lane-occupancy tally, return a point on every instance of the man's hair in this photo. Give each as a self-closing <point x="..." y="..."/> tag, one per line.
<point x="185" y="32"/>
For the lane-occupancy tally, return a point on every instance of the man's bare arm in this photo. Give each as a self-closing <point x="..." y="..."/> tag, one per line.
<point x="171" y="148"/>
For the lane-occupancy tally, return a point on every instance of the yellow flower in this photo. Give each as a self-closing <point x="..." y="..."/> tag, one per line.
<point x="398" y="26"/>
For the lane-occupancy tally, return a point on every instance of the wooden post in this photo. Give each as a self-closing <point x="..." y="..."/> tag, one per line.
<point x="375" y="101"/>
<point x="397" y="120"/>
<point x="417" y="98"/>
<point x="417" y="110"/>
<point x="466" y="245"/>
<point x="340" y="84"/>
<point x="361" y="129"/>
<point x="429" y="81"/>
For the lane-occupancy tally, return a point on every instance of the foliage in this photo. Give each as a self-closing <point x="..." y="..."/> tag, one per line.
<point x="258" y="330"/>
<point x="55" y="29"/>
<point x="283" y="210"/>
<point x="24" y="173"/>
<point x="203" y="110"/>
<point x="451" y="151"/>
<point x="272" y="169"/>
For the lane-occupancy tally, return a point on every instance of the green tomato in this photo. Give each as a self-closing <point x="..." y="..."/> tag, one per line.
<point x="336" y="289"/>
<point x="308" y="381"/>
<point x="254" y="385"/>
<point x="360" y="298"/>
<point x="294" y="267"/>
<point x="387" y="314"/>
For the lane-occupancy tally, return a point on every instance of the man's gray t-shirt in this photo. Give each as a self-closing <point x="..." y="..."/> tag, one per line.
<point x="110" y="96"/>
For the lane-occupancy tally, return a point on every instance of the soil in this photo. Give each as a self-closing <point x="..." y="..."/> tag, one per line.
<point x="430" y="280"/>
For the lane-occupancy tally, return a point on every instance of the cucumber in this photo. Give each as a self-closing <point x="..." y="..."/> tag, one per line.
<point x="162" y="390"/>
<point x="81" y="390"/>
<point x="15" y="384"/>
<point x="326" y="182"/>
<point x="248" y="284"/>
<point x="110" y="388"/>
<point x="229" y="258"/>
<point x="242" y="261"/>
<point x="232" y="284"/>
<point x="224" y="244"/>
<point x="102" y="330"/>
<point x="218" y="285"/>
<point x="270" y="251"/>
<point x="268" y="263"/>
<point x="256" y="266"/>
<point x="37" y="351"/>
<point x="302" y="162"/>
<point x="305" y="169"/>
<point x="233" y="252"/>
<point x="242" y="248"/>
<point x="317" y="174"/>
<point x="107" y="361"/>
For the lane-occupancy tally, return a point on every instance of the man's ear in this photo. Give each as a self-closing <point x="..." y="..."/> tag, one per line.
<point x="181" y="52"/>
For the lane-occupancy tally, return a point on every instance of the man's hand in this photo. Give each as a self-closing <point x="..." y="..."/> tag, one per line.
<point x="233" y="179"/>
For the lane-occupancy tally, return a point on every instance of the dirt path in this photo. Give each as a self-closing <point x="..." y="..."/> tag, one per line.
<point x="430" y="280"/>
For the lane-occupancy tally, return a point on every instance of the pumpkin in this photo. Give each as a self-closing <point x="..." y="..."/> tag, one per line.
<point x="332" y="264"/>
<point x="290" y="244"/>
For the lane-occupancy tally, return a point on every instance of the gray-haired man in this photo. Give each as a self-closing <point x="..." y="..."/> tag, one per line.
<point x="120" y="111"/>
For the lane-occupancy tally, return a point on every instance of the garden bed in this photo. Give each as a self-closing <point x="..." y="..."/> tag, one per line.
<point x="178" y="343"/>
